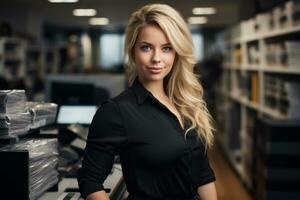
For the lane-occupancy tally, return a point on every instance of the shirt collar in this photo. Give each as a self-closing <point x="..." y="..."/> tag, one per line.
<point x="140" y="91"/>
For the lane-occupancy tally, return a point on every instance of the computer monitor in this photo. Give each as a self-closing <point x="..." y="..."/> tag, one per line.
<point x="75" y="114"/>
<point x="65" y="93"/>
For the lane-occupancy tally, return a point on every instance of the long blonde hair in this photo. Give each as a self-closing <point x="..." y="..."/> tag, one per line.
<point x="181" y="84"/>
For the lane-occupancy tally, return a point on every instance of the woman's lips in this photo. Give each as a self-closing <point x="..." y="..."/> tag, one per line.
<point x="155" y="70"/>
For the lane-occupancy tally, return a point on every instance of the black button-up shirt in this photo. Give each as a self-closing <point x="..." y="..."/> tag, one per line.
<point x="158" y="161"/>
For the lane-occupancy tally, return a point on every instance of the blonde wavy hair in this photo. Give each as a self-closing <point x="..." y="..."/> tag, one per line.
<point x="181" y="84"/>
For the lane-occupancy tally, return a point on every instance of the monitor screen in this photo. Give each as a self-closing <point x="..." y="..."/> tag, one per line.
<point x="65" y="93"/>
<point x="76" y="114"/>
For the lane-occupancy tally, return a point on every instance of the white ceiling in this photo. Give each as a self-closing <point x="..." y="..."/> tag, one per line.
<point x="118" y="11"/>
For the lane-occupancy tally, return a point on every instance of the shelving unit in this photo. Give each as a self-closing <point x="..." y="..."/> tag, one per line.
<point x="260" y="78"/>
<point x="12" y="58"/>
<point x="51" y="59"/>
<point x="41" y="61"/>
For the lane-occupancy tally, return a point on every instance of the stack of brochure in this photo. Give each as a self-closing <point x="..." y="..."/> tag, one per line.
<point x="14" y="119"/>
<point x="12" y="101"/>
<point x="41" y="113"/>
<point x="43" y="160"/>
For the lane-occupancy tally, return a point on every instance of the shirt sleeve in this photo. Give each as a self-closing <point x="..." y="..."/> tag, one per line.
<point x="202" y="172"/>
<point x="105" y="139"/>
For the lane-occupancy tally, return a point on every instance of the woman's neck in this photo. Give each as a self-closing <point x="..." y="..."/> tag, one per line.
<point x="155" y="87"/>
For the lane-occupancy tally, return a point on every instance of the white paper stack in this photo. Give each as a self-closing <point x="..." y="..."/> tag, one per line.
<point x="15" y="124"/>
<point x="41" y="113"/>
<point x="14" y="119"/>
<point x="12" y="101"/>
<point x="43" y="161"/>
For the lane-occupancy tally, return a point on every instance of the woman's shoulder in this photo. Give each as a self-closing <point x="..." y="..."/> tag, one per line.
<point x="111" y="107"/>
<point x="124" y="98"/>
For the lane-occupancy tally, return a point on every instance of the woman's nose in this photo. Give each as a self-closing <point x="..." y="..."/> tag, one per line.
<point x="156" y="57"/>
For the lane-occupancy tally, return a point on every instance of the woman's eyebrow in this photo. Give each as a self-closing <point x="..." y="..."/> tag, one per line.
<point x="142" y="42"/>
<point x="166" y="44"/>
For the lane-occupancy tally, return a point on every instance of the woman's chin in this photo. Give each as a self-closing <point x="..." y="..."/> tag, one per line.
<point x="155" y="77"/>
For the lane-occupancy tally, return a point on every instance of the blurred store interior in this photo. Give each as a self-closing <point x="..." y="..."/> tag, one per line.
<point x="70" y="52"/>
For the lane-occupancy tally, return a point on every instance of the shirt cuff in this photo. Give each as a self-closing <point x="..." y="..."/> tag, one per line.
<point x="90" y="188"/>
<point x="205" y="181"/>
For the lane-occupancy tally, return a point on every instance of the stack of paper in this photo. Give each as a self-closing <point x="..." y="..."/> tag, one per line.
<point x="43" y="160"/>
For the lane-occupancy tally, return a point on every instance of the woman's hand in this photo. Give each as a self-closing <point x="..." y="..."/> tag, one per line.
<point x="100" y="195"/>
<point x="207" y="192"/>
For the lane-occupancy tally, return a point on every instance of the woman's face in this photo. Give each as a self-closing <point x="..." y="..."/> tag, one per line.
<point x="153" y="54"/>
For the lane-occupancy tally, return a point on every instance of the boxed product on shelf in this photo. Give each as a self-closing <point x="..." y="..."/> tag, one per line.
<point x="287" y="15"/>
<point x="235" y="32"/>
<point x="12" y="101"/>
<point x="280" y="17"/>
<point x="254" y="55"/>
<point x="42" y="113"/>
<point x="236" y="84"/>
<point x="254" y="96"/>
<point x="237" y="54"/>
<point x="293" y="11"/>
<point x="41" y="166"/>
<point x="275" y="54"/>
<point x="248" y="28"/>
<point x="270" y="55"/>
<point x="262" y="22"/>
<point x="283" y="96"/>
<point x="292" y="98"/>
<point x="245" y="85"/>
<point x="15" y="124"/>
<point x="272" y="92"/>
<point x="292" y="53"/>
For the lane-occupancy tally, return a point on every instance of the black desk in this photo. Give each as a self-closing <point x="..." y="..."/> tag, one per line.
<point x="114" y="182"/>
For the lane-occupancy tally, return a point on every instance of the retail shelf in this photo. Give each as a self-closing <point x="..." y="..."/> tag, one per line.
<point x="269" y="34"/>
<point x="273" y="113"/>
<point x="282" y="69"/>
<point x="272" y="87"/>
<point x="245" y="101"/>
<point x="268" y="111"/>
<point x="268" y="69"/>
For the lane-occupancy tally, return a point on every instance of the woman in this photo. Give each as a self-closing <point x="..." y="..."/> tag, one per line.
<point x="160" y="126"/>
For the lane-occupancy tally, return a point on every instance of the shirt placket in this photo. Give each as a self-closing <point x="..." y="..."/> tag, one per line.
<point x="187" y="149"/>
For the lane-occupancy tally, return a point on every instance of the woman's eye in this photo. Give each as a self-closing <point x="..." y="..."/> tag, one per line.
<point x="167" y="49"/>
<point x="145" y="48"/>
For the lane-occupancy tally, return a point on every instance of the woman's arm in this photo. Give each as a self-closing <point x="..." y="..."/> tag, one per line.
<point x="207" y="192"/>
<point x="106" y="137"/>
<point x="100" y="195"/>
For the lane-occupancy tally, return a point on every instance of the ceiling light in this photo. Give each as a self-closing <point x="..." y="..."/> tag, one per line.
<point x="197" y="20"/>
<point x="84" y="12"/>
<point x="63" y="1"/>
<point x="99" y="21"/>
<point x="204" y="11"/>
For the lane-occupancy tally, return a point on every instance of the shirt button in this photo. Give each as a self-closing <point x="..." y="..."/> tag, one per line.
<point x="186" y="151"/>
